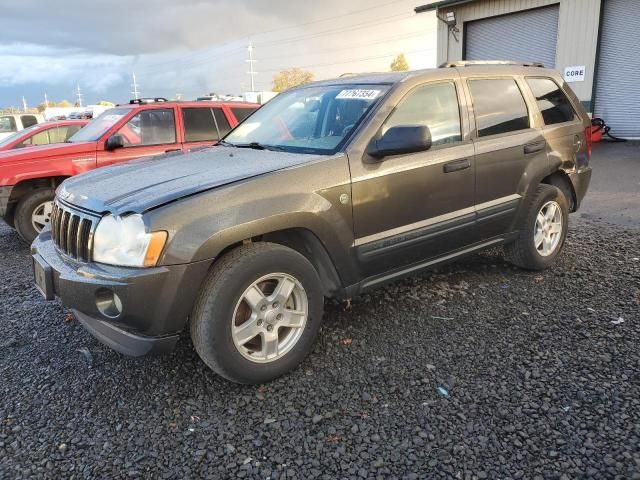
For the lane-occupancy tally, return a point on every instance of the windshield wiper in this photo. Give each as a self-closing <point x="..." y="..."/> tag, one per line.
<point x="259" y="146"/>
<point x="224" y="143"/>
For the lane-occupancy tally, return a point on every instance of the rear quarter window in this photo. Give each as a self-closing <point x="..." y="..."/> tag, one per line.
<point x="242" y="113"/>
<point x="552" y="101"/>
<point x="499" y="106"/>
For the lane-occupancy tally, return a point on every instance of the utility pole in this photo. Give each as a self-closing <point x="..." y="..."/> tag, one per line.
<point x="134" y="87"/>
<point x="46" y="100"/>
<point x="251" y="71"/>
<point x="78" y="96"/>
<point x="24" y="103"/>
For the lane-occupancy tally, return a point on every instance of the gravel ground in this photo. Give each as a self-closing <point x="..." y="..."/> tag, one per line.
<point x="477" y="370"/>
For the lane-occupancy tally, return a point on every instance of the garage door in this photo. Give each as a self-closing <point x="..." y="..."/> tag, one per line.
<point x="528" y="36"/>
<point x="617" y="98"/>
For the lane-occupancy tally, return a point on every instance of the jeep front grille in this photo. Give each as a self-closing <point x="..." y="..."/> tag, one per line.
<point x="72" y="231"/>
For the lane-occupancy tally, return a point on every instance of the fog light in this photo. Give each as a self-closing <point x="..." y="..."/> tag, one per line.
<point x="108" y="303"/>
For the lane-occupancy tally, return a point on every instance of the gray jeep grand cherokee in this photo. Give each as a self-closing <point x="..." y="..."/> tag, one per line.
<point x="329" y="190"/>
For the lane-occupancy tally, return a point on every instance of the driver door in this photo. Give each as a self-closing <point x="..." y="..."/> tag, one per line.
<point x="413" y="207"/>
<point x="149" y="132"/>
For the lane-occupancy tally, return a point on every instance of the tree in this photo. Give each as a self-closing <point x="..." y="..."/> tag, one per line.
<point x="399" y="64"/>
<point x="64" y="104"/>
<point x="291" y="78"/>
<point x="106" y="103"/>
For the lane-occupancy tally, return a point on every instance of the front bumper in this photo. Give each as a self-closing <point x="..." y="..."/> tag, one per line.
<point x="580" y="180"/>
<point x="152" y="303"/>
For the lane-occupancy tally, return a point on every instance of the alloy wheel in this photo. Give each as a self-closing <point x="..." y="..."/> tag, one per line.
<point x="548" y="229"/>
<point x="270" y="317"/>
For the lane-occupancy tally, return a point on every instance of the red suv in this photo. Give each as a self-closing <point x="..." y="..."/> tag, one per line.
<point x="142" y="128"/>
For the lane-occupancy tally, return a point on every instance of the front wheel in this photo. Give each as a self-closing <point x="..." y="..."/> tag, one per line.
<point x="258" y="313"/>
<point x="542" y="230"/>
<point x="33" y="213"/>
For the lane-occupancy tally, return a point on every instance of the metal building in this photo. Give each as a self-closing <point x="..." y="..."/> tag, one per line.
<point x="595" y="43"/>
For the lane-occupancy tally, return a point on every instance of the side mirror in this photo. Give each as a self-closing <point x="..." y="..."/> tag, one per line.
<point x="401" y="139"/>
<point x="113" y="142"/>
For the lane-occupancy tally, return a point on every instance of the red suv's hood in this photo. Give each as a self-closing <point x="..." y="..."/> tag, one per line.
<point x="46" y="151"/>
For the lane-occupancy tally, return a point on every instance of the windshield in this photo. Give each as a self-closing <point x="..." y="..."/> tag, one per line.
<point x="315" y="119"/>
<point x="7" y="140"/>
<point x="99" y="125"/>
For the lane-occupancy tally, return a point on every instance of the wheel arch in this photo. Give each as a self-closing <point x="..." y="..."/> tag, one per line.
<point x="306" y="243"/>
<point x="23" y="187"/>
<point x="561" y="180"/>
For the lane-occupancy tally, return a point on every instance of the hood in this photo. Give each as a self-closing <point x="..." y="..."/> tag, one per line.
<point x="45" y="151"/>
<point x="143" y="184"/>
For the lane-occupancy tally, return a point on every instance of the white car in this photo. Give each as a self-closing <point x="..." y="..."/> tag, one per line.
<point x="14" y="122"/>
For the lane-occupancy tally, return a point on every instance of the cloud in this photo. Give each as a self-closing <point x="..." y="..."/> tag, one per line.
<point x="124" y="27"/>
<point x="51" y="68"/>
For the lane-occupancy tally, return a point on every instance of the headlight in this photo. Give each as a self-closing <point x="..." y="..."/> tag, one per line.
<point x="124" y="241"/>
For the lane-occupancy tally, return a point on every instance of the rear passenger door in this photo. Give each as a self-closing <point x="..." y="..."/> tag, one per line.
<point x="508" y="151"/>
<point x="200" y="127"/>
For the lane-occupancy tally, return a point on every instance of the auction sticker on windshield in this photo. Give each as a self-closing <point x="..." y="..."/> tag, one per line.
<point x="358" y="94"/>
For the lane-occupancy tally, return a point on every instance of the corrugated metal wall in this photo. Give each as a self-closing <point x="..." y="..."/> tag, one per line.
<point x="617" y="98"/>
<point x="577" y="32"/>
<point x="532" y="37"/>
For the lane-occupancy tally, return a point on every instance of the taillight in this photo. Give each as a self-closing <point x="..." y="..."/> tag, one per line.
<point x="587" y="139"/>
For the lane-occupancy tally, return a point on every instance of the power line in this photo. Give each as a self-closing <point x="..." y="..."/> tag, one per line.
<point x="296" y="25"/>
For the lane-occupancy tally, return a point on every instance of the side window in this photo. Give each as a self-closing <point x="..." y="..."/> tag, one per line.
<point x="435" y="106"/>
<point x="221" y="120"/>
<point x="199" y="125"/>
<point x="499" y="106"/>
<point x="552" y="102"/>
<point x="150" y="127"/>
<point x="28" y="120"/>
<point x="62" y="134"/>
<point x="40" y="138"/>
<point x="242" y="113"/>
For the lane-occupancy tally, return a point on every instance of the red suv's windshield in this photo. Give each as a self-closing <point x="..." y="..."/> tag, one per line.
<point x="99" y="125"/>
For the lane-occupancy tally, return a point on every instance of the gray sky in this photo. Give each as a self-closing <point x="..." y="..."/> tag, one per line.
<point x="194" y="47"/>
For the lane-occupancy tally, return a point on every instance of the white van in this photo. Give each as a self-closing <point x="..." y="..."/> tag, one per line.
<point x="14" y="122"/>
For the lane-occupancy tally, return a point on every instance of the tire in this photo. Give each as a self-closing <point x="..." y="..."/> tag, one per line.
<point x="31" y="203"/>
<point x="221" y="308"/>
<point x="526" y="251"/>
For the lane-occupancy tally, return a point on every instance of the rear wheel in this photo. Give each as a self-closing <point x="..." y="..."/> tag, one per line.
<point x="258" y="313"/>
<point x="542" y="230"/>
<point x="33" y="213"/>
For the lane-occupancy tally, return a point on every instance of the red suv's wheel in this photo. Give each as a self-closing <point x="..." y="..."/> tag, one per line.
<point x="34" y="213"/>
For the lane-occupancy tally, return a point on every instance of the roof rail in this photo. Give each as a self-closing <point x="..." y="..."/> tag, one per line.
<point x="140" y="101"/>
<point x="477" y="63"/>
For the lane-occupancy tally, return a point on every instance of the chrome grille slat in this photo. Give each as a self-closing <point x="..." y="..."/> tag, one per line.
<point x="72" y="230"/>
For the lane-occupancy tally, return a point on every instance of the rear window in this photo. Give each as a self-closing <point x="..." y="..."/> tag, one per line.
<point x="499" y="106"/>
<point x="552" y="102"/>
<point x="199" y="125"/>
<point x="223" y="124"/>
<point x="242" y="113"/>
<point x="7" y="124"/>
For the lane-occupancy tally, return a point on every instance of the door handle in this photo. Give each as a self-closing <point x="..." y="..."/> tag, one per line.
<point x="456" y="166"/>
<point x="534" y="147"/>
